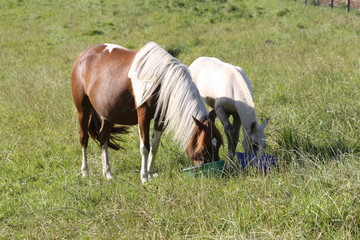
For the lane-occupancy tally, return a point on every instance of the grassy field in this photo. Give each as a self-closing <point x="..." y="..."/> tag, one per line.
<point x="304" y="63"/>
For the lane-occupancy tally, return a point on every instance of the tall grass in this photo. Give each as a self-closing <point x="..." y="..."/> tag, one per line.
<point x="305" y="70"/>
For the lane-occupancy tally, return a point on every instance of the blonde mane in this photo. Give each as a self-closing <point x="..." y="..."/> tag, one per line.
<point x="178" y="99"/>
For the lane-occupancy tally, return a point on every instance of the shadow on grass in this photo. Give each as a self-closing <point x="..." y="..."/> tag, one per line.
<point x="293" y="147"/>
<point x="293" y="143"/>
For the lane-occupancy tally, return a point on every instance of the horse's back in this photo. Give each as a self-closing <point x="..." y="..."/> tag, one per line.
<point x="216" y="79"/>
<point x="111" y="59"/>
<point x="101" y="74"/>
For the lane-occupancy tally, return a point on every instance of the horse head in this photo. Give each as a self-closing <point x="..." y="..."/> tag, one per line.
<point x="206" y="141"/>
<point x="254" y="140"/>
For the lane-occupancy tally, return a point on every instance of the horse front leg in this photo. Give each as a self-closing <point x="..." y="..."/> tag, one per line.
<point x="223" y="115"/>
<point x="236" y="130"/>
<point x="153" y="150"/>
<point x="144" y="128"/>
<point x="144" y="174"/>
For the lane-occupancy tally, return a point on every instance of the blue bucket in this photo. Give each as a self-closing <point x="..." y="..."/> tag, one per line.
<point x="252" y="160"/>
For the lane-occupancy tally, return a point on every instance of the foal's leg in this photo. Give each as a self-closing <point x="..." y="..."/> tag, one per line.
<point x="223" y="115"/>
<point x="104" y="134"/>
<point x="236" y="131"/>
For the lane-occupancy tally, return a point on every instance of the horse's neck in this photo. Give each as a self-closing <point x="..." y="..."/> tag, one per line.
<point x="243" y="97"/>
<point x="247" y="115"/>
<point x="153" y="69"/>
<point x="243" y="91"/>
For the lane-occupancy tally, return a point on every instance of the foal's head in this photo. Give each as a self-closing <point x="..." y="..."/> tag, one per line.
<point x="254" y="140"/>
<point x="206" y="141"/>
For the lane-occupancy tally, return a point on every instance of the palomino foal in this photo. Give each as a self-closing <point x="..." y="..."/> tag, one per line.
<point x="226" y="88"/>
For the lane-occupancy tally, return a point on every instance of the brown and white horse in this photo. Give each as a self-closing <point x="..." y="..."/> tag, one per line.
<point x="114" y="85"/>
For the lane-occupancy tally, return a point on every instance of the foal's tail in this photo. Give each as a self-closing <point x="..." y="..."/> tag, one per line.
<point x="94" y="131"/>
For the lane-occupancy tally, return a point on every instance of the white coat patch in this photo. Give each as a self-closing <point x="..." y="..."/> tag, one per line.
<point x="110" y="47"/>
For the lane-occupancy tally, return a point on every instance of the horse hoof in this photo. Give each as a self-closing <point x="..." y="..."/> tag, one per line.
<point x="154" y="175"/>
<point x="144" y="181"/>
<point x="108" y="176"/>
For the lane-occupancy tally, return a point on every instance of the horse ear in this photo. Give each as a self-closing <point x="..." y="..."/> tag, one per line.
<point x="212" y="115"/>
<point x="253" y="126"/>
<point x="198" y="124"/>
<point x="265" y="122"/>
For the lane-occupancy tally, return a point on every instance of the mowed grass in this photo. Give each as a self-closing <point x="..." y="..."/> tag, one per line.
<point x="305" y="69"/>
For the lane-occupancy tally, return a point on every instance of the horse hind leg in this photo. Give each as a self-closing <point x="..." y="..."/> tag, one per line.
<point x="83" y="117"/>
<point x="84" y="165"/>
<point x="104" y="135"/>
<point x="105" y="161"/>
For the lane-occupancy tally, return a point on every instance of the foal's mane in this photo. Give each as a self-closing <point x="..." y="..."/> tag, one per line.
<point x="178" y="98"/>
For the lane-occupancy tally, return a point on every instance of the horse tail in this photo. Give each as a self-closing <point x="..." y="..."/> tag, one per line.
<point x="114" y="138"/>
<point x="95" y="127"/>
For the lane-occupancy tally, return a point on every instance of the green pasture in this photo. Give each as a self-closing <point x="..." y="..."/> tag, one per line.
<point x="304" y="64"/>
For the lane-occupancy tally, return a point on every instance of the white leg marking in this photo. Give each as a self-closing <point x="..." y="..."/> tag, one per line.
<point x="105" y="162"/>
<point x="84" y="166"/>
<point x="153" y="150"/>
<point x="144" y="175"/>
<point x="214" y="142"/>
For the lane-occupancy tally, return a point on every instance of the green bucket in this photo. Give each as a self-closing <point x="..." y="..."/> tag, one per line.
<point x="205" y="169"/>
